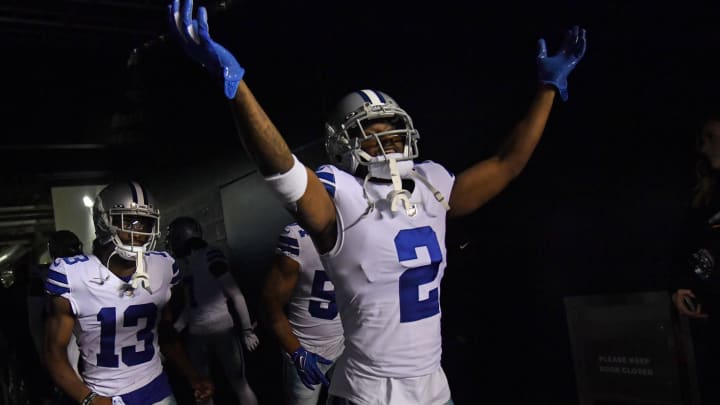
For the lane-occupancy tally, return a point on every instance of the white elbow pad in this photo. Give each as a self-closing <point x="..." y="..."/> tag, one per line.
<point x="289" y="186"/>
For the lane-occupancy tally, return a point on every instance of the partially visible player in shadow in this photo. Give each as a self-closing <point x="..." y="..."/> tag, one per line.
<point x="695" y="279"/>
<point x="210" y="287"/>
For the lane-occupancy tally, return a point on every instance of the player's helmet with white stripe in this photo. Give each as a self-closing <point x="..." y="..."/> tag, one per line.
<point x="345" y="128"/>
<point x="126" y="207"/>
<point x="179" y="233"/>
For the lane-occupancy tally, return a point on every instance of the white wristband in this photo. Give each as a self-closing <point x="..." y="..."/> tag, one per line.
<point x="289" y="186"/>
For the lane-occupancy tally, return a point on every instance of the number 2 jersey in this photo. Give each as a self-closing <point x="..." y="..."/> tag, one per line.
<point x="312" y="311"/>
<point x="115" y="327"/>
<point x="387" y="267"/>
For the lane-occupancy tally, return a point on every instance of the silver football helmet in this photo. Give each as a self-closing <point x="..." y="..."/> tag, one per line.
<point x="345" y="134"/>
<point x="129" y="209"/>
<point x="345" y="129"/>
<point x="126" y="207"/>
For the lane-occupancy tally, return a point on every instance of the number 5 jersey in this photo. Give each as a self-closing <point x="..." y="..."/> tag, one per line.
<point x="312" y="311"/>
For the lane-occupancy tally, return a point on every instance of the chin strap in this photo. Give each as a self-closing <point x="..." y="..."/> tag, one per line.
<point x="388" y="168"/>
<point x="438" y="195"/>
<point x="399" y="195"/>
<point x="140" y="278"/>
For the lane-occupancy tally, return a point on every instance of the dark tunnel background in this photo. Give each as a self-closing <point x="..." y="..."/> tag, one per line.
<point x="594" y="212"/>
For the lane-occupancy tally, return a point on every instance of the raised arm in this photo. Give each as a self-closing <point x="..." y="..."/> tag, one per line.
<point x="311" y="205"/>
<point x="484" y="180"/>
<point x="295" y="185"/>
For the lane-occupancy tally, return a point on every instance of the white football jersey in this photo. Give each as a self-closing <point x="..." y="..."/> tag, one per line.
<point x="312" y="310"/>
<point x="206" y="304"/>
<point x="387" y="267"/>
<point x="116" y="327"/>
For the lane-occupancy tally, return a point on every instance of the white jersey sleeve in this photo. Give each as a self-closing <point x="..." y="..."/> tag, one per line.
<point x="116" y="327"/>
<point x="312" y="310"/>
<point x="387" y="267"/>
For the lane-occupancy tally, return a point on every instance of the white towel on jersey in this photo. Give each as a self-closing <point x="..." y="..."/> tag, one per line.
<point x="312" y="310"/>
<point x="115" y="330"/>
<point x="387" y="268"/>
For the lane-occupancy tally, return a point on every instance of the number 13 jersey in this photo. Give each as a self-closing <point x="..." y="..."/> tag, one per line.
<point x="116" y="331"/>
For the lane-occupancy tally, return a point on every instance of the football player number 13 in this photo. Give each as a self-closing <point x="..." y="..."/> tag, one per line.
<point x="130" y="355"/>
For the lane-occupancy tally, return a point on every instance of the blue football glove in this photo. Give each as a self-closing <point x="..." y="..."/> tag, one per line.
<point x="554" y="70"/>
<point x="306" y="365"/>
<point x="195" y="39"/>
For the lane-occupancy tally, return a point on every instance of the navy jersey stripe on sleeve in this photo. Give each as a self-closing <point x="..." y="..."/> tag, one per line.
<point x="284" y="240"/>
<point x="328" y="180"/>
<point x="330" y="188"/>
<point x="54" y="289"/>
<point x="60" y="278"/>
<point x="288" y="249"/>
<point x="327" y="176"/>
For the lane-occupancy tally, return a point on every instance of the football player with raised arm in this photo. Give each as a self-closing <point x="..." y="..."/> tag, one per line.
<point x="376" y="217"/>
<point x="114" y="302"/>
<point x="311" y="334"/>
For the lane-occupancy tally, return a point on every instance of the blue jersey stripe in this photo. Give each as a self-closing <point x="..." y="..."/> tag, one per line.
<point x="55" y="289"/>
<point x="326" y="176"/>
<point x="330" y="189"/>
<point x="288" y="241"/>
<point x="328" y="181"/>
<point x="57" y="276"/>
<point x="289" y="249"/>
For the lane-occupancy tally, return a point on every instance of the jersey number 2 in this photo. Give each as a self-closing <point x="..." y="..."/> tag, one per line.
<point x="412" y="306"/>
<point x="130" y="356"/>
